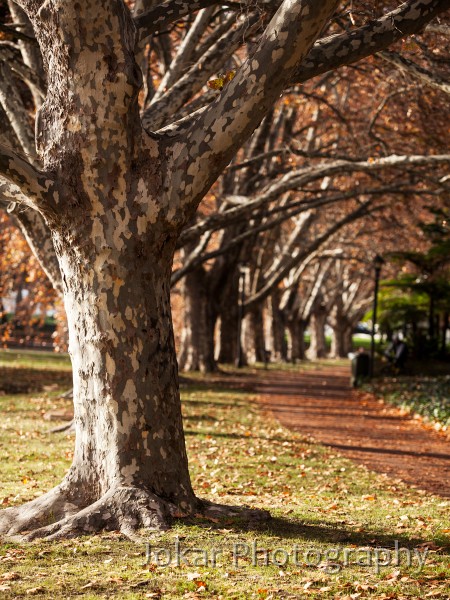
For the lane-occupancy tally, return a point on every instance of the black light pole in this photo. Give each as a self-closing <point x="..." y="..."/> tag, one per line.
<point x="241" y="302"/>
<point x="378" y="262"/>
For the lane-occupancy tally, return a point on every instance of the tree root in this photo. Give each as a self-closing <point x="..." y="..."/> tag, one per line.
<point x="55" y="504"/>
<point x="67" y="427"/>
<point x="126" y="509"/>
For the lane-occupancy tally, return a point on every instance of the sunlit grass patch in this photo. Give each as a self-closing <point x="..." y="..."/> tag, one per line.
<point x="329" y="517"/>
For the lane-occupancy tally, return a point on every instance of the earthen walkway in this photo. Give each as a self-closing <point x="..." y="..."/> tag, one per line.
<point x="320" y="403"/>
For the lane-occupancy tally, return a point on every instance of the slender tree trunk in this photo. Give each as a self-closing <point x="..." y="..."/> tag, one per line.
<point x="229" y="323"/>
<point x="197" y="342"/>
<point x="431" y="325"/>
<point x="445" y="325"/>
<point x="278" y="345"/>
<point x="318" y="346"/>
<point x="254" y="339"/>
<point x="228" y="335"/>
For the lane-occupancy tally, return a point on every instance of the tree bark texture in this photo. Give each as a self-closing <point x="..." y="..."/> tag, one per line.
<point x="116" y="197"/>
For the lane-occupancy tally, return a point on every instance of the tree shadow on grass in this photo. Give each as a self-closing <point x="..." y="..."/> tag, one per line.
<point x="241" y="436"/>
<point x="311" y="531"/>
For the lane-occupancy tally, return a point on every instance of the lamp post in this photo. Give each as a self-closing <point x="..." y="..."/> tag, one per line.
<point x="378" y="262"/>
<point x="241" y="301"/>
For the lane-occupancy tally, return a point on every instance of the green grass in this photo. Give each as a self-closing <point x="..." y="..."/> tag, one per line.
<point x="32" y="359"/>
<point x="426" y="396"/>
<point x="319" y="502"/>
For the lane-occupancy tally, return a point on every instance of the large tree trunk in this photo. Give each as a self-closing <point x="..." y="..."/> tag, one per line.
<point x="130" y="465"/>
<point x="127" y="404"/>
<point x="197" y="341"/>
<point x="116" y="196"/>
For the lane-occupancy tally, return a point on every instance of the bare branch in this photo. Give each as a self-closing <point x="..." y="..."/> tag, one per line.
<point x="343" y="49"/>
<point x="16" y="112"/>
<point x="418" y="72"/>
<point x="39" y="238"/>
<point x="168" y="12"/>
<point x="33" y="184"/>
<point x="225" y="125"/>
<point x="293" y="261"/>
<point x="191" y="82"/>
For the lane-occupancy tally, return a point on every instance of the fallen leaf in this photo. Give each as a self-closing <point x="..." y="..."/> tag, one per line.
<point x="11" y="576"/>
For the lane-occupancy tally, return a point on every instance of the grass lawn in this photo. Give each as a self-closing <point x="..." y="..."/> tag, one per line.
<point x="423" y="395"/>
<point x="330" y="517"/>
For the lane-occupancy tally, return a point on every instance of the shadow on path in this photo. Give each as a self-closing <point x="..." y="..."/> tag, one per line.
<point x="321" y="404"/>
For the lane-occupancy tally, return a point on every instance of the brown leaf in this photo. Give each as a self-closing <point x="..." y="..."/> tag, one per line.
<point x="10" y="576"/>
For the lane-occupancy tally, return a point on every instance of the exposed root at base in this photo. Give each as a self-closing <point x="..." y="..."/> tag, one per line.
<point x="52" y="506"/>
<point x="126" y="509"/>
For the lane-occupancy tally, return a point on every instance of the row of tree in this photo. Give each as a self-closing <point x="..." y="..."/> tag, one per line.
<point x="118" y="118"/>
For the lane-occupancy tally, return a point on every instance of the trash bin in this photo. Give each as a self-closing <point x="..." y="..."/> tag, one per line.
<point x="360" y="368"/>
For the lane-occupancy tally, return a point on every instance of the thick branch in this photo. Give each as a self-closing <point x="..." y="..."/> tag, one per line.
<point x="224" y="126"/>
<point x="346" y="48"/>
<point x="168" y="12"/>
<point x="295" y="180"/>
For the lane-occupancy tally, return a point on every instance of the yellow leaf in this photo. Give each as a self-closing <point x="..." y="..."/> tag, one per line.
<point x="216" y="84"/>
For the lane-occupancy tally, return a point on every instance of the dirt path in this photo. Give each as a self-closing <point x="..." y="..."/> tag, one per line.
<point x="321" y="404"/>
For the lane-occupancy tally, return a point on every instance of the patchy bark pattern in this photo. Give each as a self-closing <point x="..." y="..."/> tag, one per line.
<point x="115" y="197"/>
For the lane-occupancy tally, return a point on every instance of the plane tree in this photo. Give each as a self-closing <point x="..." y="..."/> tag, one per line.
<point x="115" y="186"/>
